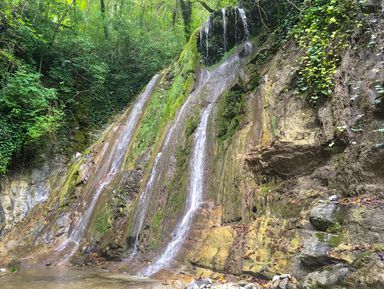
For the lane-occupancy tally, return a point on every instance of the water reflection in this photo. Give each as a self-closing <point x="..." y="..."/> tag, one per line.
<point x="65" y="278"/>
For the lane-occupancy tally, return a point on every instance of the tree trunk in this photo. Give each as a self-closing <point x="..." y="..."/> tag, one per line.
<point x="142" y="13"/>
<point x="205" y="5"/>
<point x="105" y="26"/>
<point x="174" y="16"/>
<point x="186" y="11"/>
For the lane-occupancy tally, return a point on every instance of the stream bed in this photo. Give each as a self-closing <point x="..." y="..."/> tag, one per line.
<point x="63" y="278"/>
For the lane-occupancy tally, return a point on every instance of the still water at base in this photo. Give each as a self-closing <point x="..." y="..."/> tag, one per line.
<point x="63" y="278"/>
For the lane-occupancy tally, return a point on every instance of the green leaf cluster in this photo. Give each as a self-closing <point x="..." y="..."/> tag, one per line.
<point x="323" y="32"/>
<point x="27" y="112"/>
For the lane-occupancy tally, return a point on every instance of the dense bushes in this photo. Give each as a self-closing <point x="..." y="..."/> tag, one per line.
<point x="27" y="112"/>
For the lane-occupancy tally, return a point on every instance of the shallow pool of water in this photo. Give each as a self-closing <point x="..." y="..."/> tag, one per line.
<point x="65" y="278"/>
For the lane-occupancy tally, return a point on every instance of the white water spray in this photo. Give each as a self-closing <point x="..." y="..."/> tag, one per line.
<point x="223" y="11"/>
<point x="143" y="205"/>
<point x="206" y="31"/>
<point x="245" y="23"/>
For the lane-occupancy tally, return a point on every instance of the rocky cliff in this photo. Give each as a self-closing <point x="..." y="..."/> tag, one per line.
<point x="292" y="186"/>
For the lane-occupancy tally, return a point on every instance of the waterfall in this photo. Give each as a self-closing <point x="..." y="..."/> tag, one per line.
<point x="146" y="195"/>
<point x="235" y="28"/>
<point x="143" y="205"/>
<point x="245" y="23"/>
<point x="116" y="147"/>
<point x="206" y="30"/>
<point x="197" y="166"/>
<point x="216" y="82"/>
<point x="224" y="29"/>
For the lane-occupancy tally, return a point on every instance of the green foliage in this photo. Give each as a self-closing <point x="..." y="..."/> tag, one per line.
<point x="11" y="140"/>
<point x="230" y="110"/>
<point x="27" y="112"/>
<point x="323" y="32"/>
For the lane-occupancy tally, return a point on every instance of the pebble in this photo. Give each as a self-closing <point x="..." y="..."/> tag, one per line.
<point x="333" y="198"/>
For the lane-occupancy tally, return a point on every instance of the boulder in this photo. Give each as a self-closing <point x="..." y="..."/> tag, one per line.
<point x="316" y="251"/>
<point x="327" y="278"/>
<point x="323" y="216"/>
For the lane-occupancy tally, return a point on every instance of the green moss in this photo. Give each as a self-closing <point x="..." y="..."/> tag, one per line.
<point x="264" y="189"/>
<point x="230" y="110"/>
<point x="317" y="287"/>
<point x="378" y="247"/>
<point x="103" y="220"/>
<point x="320" y="236"/>
<point x="335" y="240"/>
<point x="191" y="125"/>
<point x="166" y="100"/>
<point x="362" y="260"/>
<point x="289" y="211"/>
<point x="334" y="228"/>
<point x="274" y="125"/>
<point x="178" y="186"/>
<point x="68" y="188"/>
<point x="156" y="228"/>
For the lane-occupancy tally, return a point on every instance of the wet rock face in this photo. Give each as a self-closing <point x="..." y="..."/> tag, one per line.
<point x="223" y="31"/>
<point x="21" y="191"/>
<point x="288" y="159"/>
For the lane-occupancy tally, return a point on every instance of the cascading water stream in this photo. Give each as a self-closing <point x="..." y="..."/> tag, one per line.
<point x="143" y="205"/>
<point x="223" y="11"/>
<point x="245" y="23"/>
<point x="206" y="31"/>
<point x="108" y="168"/>
<point x="218" y="81"/>
<point x="155" y="172"/>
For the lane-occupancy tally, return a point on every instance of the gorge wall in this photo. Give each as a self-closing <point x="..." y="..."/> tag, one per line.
<point x="288" y="187"/>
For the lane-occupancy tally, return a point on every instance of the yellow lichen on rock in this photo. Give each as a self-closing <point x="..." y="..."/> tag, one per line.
<point x="216" y="249"/>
